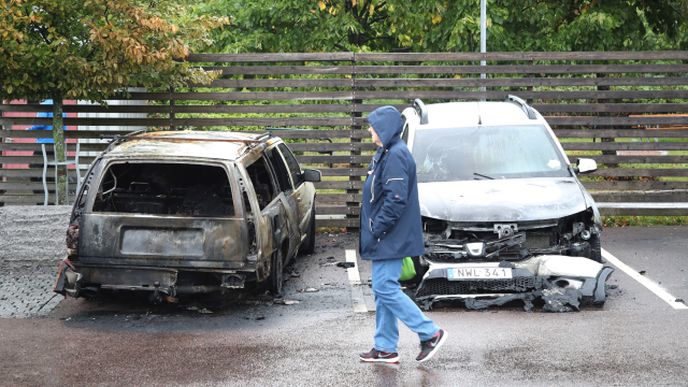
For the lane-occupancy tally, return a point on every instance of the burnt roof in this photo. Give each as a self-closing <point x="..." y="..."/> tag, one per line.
<point x="187" y="144"/>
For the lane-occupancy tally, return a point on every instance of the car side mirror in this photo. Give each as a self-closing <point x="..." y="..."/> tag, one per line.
<point x="585" y="166"/>
<point x="312" y="175"/>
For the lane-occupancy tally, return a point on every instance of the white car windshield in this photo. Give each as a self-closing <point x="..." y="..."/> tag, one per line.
<point x="487" y="152"/>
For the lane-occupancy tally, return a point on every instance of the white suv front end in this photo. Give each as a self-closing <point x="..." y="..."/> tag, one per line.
<point x="504" y="214"/>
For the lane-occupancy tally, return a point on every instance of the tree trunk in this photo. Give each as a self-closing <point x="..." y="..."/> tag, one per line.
<point x="59" y="139"/>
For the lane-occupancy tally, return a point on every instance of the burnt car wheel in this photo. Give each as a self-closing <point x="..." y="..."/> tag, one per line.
<point x="595" y="248"/>
<point x="309" y="243"/>
<point x="274" y="282"/>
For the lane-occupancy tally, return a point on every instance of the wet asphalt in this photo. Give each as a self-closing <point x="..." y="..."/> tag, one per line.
<point x="311" y="336"/>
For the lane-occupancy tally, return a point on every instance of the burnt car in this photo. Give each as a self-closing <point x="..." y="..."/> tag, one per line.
<point x="504" y="214"/>
<point x="189" y="212"/>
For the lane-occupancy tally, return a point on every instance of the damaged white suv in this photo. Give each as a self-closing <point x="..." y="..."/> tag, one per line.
<point x="504" y="215"/>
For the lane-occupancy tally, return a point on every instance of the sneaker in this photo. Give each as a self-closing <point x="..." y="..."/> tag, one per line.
<point x="428" y="348"/>
<point x="375" y="356"/>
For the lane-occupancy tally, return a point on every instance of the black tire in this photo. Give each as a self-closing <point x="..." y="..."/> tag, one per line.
<point x="595" y="248"/>
<point x="276" y="278"/>
<point x="308" y="246"/>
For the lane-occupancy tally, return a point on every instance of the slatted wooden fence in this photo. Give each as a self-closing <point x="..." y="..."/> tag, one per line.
<point x="627" y="110"/>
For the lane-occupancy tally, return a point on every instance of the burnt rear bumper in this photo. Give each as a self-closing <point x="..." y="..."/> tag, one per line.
<point x="76" y="281"/>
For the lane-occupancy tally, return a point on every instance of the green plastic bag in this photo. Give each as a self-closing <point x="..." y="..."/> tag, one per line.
<point x="408" y="270"/>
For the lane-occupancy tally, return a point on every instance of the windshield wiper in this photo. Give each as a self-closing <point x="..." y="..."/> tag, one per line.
<point x="483" y="176"/>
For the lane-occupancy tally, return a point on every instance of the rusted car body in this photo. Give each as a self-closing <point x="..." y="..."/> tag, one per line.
<point x="504" y="214"/>
<point x="189" y="212"/>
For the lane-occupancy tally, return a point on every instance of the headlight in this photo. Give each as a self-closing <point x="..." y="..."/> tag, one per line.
<point x="585" y="235"/>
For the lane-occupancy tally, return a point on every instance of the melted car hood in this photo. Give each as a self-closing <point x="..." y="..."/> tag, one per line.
<point x="501" y="200"/>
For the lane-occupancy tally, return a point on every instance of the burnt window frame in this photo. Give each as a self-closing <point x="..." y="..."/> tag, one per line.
<point x="101" y="174"/>
<point x="82" y="202"/>
<point x="274" y="184"/>
<point x="287" y="156"/>
<point x="280" y="169"/>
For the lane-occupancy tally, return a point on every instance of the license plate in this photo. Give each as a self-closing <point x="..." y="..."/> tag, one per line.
<point x="162" y="242"/>
<point x="468" y="273"/>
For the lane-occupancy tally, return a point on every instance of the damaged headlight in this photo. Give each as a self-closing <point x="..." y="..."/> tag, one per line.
<point x="573" y="235"/>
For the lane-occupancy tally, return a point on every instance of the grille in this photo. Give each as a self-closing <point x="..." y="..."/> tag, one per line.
<point x="538" y="240"/>
<point x="442" y="286"/>
<point x="512" y="254"/>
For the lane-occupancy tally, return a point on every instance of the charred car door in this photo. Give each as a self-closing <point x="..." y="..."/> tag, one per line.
<point x="303" y="194"/>
<point x="285" y="199"/>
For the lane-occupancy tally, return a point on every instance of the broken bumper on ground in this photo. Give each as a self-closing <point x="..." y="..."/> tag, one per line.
<point x="561" y="282"/>
<point x="84" y="280"/>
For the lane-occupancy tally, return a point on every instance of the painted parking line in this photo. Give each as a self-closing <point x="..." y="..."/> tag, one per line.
<point x="357" y="299"/>
<point x="649" y="284"/>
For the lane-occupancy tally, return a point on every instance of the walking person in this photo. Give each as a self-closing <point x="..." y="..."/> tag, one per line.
<point x="390" y="231"/>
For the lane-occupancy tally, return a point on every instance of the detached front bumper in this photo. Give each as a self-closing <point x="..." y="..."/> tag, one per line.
<point x="495" y="283"/>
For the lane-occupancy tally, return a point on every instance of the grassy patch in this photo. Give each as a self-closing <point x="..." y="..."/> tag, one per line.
<point x="645" y="221"/>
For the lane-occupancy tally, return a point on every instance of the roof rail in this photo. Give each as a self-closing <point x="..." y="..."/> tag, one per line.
<point x="118" y="139"/>
<point x="264" y="136"/>
<point x="524" y="106"/>
<point x="422" y="110"/>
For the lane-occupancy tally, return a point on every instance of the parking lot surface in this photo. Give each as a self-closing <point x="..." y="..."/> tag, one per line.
<point x="313" y="333"/>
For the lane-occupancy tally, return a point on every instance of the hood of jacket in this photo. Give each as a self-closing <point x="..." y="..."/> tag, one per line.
<point x="386" y="121"/>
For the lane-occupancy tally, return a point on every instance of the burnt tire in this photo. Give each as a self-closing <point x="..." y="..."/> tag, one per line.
<point x="276" y="278"/>
<point x="309" y="242"/>
<point x="595" y="248"/>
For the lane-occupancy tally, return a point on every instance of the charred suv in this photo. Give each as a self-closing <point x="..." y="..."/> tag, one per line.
<point x="504" y="214"/>
<point x="188" y="212"/>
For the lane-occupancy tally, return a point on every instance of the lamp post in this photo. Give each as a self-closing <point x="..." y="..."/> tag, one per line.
<point x="483" y="36"/>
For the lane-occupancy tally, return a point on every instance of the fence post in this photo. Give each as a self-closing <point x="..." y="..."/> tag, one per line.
<point x="352" y="205"/>
<point x="172" y="114"/>
<point x="2" y="141"/>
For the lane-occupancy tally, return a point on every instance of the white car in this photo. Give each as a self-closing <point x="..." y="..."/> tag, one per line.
<point x="504" y="214"/>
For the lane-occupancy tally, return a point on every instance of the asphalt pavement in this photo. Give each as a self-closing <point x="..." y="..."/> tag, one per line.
<point x="311" y="336"/>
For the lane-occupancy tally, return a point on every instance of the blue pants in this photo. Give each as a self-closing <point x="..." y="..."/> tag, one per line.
<point x="392" y="304"/>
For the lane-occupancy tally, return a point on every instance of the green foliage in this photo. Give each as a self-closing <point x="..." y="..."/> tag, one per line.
<point x="93" y="49"/>
<point x="448" y="25"/>
<point x="586" y="25"/>
<point x="644" y="221"/>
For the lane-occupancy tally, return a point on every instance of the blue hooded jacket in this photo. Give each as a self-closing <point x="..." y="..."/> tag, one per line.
<point x="390" y="213"/>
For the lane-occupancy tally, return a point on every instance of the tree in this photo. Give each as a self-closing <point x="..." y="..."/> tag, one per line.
<point x="586" y="25"/>
<point x="448" y="25"/>
<point x="322" y="25"/>
<point x="95" y="49"/>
